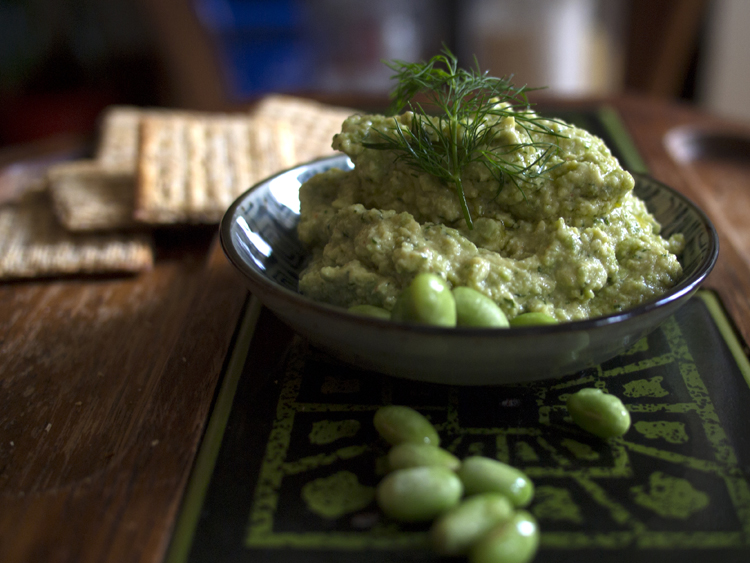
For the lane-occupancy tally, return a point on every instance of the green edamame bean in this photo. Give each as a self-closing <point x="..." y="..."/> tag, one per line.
<point x="476" y="309"/>
<point x="599" y="413"/>
<point x="483" y="475"/>
<point x="427" y="300"/>
<point x="418" y="494"/>
<point x="398" y="424"/>
<point x="370" y="311"/>
<point x="459" y="528"/>
<point x="533" y="319"/>
<point x="513" y="541"/>
<point x="417" y="455"/>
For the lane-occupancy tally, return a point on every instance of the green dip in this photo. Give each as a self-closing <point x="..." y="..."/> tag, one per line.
<point x="574" y="244"/>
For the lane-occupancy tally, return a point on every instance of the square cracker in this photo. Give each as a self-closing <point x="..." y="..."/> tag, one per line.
<point x="33" y="244"/>
<point x="93" y="195"/>
<point x="118" y="137"/>
<point x="119" y="134"/>
<point x="88" y="196"/>
<point x="313" y="124"/>
<point x="191" y="169"/>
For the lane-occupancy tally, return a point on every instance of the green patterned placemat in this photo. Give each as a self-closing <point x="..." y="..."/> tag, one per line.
<point x="288" y="465"/>
<point x="294" y="476"/>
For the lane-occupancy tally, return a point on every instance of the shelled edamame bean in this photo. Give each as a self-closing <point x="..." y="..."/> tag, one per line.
<point x="599" y="413"/>
<point x="533" y="319"/>
<point x="476" y="309"/>
<point x="418" y="494"/>
<point x="482" y="475"/>
<point x="427" y="300"/>
<point x="513" y="541"/>
<point x="457" y="530"/>
<point x="398" y="424"/>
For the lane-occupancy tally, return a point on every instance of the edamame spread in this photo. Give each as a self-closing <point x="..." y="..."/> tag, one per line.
<point x="573" y="243"/>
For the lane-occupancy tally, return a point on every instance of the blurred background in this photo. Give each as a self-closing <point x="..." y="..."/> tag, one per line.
<point x="63" y="61"/>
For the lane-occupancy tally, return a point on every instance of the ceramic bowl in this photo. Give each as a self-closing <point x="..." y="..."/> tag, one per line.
<point x="258" y="234"/>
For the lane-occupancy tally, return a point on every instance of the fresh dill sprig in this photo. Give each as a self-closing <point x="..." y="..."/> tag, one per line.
<point x="458" y="133"/>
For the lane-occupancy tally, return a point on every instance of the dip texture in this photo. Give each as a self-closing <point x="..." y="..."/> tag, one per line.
<point x="574" y="243"/>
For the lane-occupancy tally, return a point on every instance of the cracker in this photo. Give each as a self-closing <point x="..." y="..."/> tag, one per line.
<point x="88" y="196"/>
<point x="118" y="137"/>
<point x="191" y="169"/>
<point x="120" y="133"/>
<point x="33" y="244"/>
<point x="99" y="195"/>
<point x="313" y="124"/>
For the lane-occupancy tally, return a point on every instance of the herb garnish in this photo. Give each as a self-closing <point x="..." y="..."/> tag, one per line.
<point x="444" y="144"/>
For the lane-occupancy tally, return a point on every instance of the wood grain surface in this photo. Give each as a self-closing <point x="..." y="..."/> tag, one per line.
<point x="105" y="387"/>
<point x="106" y="384"/>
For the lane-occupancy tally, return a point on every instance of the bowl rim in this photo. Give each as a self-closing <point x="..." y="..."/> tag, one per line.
<point x="683" y="288"/>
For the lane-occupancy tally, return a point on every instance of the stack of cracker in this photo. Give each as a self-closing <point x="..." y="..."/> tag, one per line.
<point x="154" y="168"/>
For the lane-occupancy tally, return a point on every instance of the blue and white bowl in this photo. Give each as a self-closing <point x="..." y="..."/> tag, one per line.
<point x="259" y="236"/>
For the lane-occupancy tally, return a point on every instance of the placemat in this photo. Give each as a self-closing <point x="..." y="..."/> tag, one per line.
<point x="298" y="459"/>
<point x="290" y="458"/>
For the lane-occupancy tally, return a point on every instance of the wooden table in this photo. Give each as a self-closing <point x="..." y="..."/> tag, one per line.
<point x="106" y="384"/>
